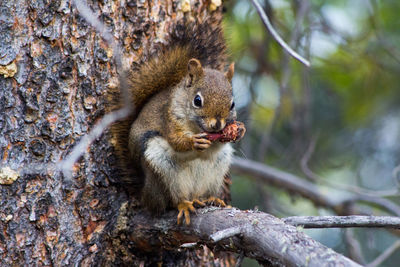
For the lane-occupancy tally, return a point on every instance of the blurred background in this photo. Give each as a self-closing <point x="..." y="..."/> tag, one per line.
<point x="335" y="124"/>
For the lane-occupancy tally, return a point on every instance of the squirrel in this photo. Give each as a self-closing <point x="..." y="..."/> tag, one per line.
<point x="180" y="95"/>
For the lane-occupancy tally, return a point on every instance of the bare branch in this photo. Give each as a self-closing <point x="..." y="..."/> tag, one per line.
<point x="284" y="180"/>
<point x="381" y="202"/>
<point x="353" y="246"/>
<point x="105" y="33"/>
<point x="262" y="236"/>
<point x="350" y="188"/>
<point x="385" y="255"/>
<point x="344" y="221"/>
<point x="306" y="157"/>
<point x="226" y="233"/>
<point x="265" y="138"/>
<point x="395" y="175"/>
<point x="189" y="245"/>
<point x="67" y="164"/>
<point x="276" y="36"/>
<point x="358" y="190"/>
<point x="293" y="183"/>
<point x="239" y="259"/>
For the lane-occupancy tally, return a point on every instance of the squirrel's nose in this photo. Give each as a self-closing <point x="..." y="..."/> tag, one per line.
<point x="217" y="124"/>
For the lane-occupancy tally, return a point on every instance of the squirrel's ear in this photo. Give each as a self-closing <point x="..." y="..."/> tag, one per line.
<point x="195" y="69"/>
<point x="229" y="73"/>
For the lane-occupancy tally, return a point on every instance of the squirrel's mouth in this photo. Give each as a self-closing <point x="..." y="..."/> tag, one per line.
<point x="208" y="128"/>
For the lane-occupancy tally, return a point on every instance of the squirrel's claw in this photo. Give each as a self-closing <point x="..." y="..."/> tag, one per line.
<point x="240" y="131"/>
<point x="215" y="201"/>
<point x="199" y="202"/>
<point x="184" y="207"/>
<point x="200" y="142"/>
<point x="200" y="135"/>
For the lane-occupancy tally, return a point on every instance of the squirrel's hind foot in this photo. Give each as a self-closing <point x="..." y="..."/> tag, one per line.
<point x="215" y="201"/>
<point x="185" y="207"/>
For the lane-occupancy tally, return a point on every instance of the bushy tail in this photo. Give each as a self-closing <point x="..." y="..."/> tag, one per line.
<point x="203" y="41"/>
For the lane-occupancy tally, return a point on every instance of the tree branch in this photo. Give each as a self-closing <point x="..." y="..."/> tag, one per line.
<point x="385" y="255"/>
<point x="261" y="236"/>
<point x="353" y="246"/>
<point x="226" y="233"/>
<point x="310" y="175"/>
<point x="343" y="221"/>
<point x="282" y="179"/>
<point x="293" y="183"/>
<point x="276" y="36"/>
<point x="80" y="148"/>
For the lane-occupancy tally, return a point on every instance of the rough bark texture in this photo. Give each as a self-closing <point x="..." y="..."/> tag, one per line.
<point x="54" y="70"/>
<point x="344" y="221"/>
<point x="255" y="234"/>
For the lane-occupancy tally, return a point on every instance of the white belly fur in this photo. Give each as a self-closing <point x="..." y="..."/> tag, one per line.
<point x="189" y="175"/>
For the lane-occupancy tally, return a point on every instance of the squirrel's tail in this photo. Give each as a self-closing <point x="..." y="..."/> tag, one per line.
<point x="201" y="40"/>
<point x="204" y="41"/>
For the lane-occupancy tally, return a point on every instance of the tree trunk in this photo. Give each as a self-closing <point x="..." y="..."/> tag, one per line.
<point x="54" y="72"/>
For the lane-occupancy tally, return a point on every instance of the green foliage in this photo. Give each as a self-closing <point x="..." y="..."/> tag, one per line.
<point x="348" y="101"/>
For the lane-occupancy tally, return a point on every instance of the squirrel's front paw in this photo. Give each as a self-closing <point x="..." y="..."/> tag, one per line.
<point x="200" y="141"/>
<point x="241" y="130"/>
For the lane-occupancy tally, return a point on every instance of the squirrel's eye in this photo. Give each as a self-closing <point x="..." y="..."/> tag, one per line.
<point x="233" y="105"/>
<point x="197" y="101"/>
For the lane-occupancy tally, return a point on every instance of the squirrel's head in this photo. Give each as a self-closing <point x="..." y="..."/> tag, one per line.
<point x="209" y="99"/>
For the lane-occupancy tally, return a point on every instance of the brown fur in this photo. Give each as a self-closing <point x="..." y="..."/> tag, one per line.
<point x="160" y="143"/>
<point x="203" y="41"/>
<point x="171" y="117"/>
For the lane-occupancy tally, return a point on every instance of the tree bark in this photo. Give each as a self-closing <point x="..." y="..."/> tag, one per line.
<point x="344" y="221"/>
<point x="255" y="234"/>
<point x="54" y="72"/>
